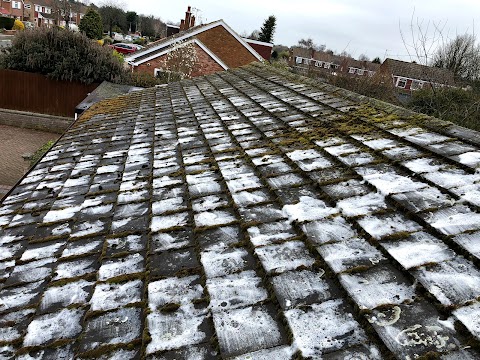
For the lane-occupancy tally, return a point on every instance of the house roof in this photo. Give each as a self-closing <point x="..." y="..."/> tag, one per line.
<point x="153" y="49"/>
<point x="246" y="214"/>
<point x="419" y="71"/>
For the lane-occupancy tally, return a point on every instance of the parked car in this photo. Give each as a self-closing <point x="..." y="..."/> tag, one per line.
<point x="139" y="47"/>
<point x="124" y="48"/>
<point x="128" y="38"/>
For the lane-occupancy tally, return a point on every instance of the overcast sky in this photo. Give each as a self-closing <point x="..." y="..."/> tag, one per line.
<point x="370" y="27"/>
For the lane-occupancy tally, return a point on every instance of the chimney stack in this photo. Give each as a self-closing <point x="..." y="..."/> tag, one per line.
<point x="189" y="20"/>
<point x="192" y="23"/>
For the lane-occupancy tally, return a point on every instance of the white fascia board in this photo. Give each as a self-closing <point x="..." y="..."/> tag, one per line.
<point x="257" y="42"/>
<point x="193" y="33"/>
<point x="195" y="41"/>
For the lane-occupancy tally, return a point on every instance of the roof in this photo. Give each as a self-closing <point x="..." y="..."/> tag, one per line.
<point x="246" y="214"/>
<point x="106" y="90"/>
<point x="335" y="59"/>
<point x="157" y="47"/>
<point x="419" y="71"/>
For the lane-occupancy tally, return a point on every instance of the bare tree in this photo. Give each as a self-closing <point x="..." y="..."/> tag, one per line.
<point x="460" y="55"/>
<point x="309" y="44"/>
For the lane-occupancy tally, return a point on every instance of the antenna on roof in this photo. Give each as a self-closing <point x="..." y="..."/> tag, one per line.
<point x="196" y="12"/>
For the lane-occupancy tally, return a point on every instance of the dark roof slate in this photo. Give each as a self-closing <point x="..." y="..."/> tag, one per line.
<point x="247" y="214"/>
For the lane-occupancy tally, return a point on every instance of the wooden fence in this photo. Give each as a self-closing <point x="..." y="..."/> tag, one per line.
<point x="36" y="93"/>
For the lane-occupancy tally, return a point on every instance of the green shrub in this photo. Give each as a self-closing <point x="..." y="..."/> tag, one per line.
<point x="40" y="152"/>
<point x="140" y="41"/>
<point x="6" y="23"/>
<point x="91" y="24"/>
<point x="451" y="104"/>
<point x="142" y="79"/>
<point x="63" y="55"/>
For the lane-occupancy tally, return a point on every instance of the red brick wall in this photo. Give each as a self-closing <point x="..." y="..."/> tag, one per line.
<point x="226" y="47"/>
<point x="205" y="65"/>
<point x="263" y="50"/>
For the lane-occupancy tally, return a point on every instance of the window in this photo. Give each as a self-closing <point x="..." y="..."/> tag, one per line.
<point x="306" y="61"/>
<point x="326" y="65"/>
<point x="28" y="6"/>
<point x="16" y="5"/>
<point x="351" y="70"/>
<point x="401" y="83"/>
<point x="298" y="60"/>
<point x="335" y="66"/>
<point x="416" y="85"/>
<point x="360" y="71"/>
<point x="38" y="8"/>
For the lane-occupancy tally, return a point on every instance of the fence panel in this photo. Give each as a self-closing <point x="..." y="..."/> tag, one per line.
<point x="36" y="93"/>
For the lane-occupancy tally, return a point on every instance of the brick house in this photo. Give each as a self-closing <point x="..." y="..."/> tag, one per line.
<point x="14" y="9"/>
<point x="43" y="14"/>
<point x="309" y="60"/>
<point x="218" y="48"/>
<point x="413" y="76"/>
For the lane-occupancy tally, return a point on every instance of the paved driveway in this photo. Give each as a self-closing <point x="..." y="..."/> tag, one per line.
<point x="14" y="142"/>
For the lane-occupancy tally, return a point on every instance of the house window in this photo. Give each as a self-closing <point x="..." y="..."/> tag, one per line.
<point x="298" y="60"/>
<point x="416" y="85"/>
<point x="326" y="65"/>
<point x="401" y="83"/>
<point x="335" y="66"/>
<point x="306" y="61"/>
<point x="360" y="71"/>
<point x="351" y="70"/>
<point x="16" y="5"/>
<point x="38" y="8"/>
<point x="28" y="6"/>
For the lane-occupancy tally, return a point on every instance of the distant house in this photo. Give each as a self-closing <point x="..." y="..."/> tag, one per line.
<point x="13" y="9"/>
<point x="43" y="14"/>
<point x="302" y="59"/>
<point x="413" y="76"/>
<point x="218" y="48"/>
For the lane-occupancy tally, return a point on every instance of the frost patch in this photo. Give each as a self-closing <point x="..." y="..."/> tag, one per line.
<point x="64" y="324"/>
<point x="362" y="205"/>
<point x="168" y="221"/>
<point x="420" y="248"/>
<point x="307" y="209"/>
<point x="71" y="293"/>
<point x="470" y="317"/>
<point x="377" y="286"/>
<point x="214" y="218"/>
<point x="181" y="291"/>
<point x="111" y="296"/>
<point x="247" y="329"/>
<point x="236" y="290"/>
<point x="294" y="288"/>
<point x="287" y="256"/>
<point x="323" y="328"/>
<point x="121" y="266"/>
<point x="172" y="331"/>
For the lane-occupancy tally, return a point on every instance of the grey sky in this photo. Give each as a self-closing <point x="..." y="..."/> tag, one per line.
<point x="370" y="27"/>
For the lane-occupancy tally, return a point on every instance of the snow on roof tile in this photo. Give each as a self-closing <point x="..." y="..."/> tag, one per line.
<point x="241" y="215"/>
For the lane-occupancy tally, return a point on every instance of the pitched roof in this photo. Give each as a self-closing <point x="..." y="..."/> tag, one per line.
<point x="420" y="72"/>
<point x="247" y="213"/>
<point x="157" y="47"/>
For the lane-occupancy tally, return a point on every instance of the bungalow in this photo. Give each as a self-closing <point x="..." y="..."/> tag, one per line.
<point x="413" y="76"/>
<point x="217" y="47"/>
